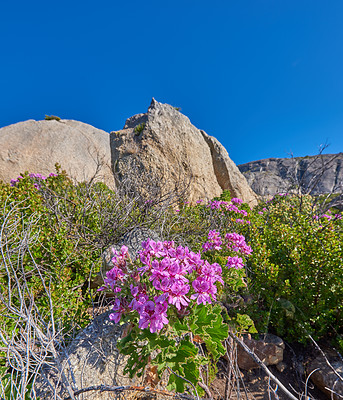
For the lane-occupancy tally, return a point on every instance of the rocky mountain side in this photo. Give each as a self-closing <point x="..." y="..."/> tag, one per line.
<point x="314" y="175"/>
<point x="162" y="140"/>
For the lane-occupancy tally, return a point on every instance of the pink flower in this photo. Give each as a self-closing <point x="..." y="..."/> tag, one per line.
<point x="236" y="200"/>
<point x="205" y="290"/>
<point x="214" y="241"/>
<point x="243" y="212"/>
<point x="215" y="205"/>
<point x="113" y="276"/>
<point x="237" y="243"/>
<point x="155" y="315"/>
<point x="212" y="272"/>
<point x="194" y="261"/>
<point x="177" y="295"/>
<point x="328" y="217"/>
<point x="119" y="309"/>
<point x="159" y="271"/>
<point x="235" y="262"/>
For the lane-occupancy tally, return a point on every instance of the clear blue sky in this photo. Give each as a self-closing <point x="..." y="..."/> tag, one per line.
<point x="263" y="76"/>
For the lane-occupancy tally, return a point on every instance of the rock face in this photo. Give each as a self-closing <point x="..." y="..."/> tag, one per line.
<point x="315" y="175"/>
<point x="226" y="171"/>
<point x="36" y="146"/>
<point x="164" y="140"/>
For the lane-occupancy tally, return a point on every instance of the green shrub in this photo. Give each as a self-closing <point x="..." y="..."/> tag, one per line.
<point x="295" y="273"/>
<point x="139" y="129"/>
<point x="52" y="245"/>
<point x="296" y="270"/>
<point x="52" y="118"/>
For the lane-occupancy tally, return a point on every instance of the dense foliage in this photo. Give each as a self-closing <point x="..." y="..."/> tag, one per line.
<point x="219" y="264"/>
<point x="296" y="271"/>
<point x="47" y="247"/>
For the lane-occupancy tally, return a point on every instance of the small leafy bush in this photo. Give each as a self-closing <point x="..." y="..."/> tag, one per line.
<point x="52" y="118"/>
<point x="296" y="270"/>
<point x="139" y="128"/>
<point x="191" y="223"/>
<point x="53" y="245"/>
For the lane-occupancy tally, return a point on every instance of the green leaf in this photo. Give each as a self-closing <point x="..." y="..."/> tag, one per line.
<point x="185" y="350"/>
<point x="180" y="328"/>
<point x="204" y="318"/>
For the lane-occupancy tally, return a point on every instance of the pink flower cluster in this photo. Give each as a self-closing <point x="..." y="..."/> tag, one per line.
<point x="214" y="241"/>
<point x="234" y="242"/>
<point x="237" y="243"/>
<point x="236" y="200"/>
<point x="13" y="182"/>
<point x="225" y="206"/>
<point x="119" y="273"/>
<point x="327" y="216"/>
<point x="37" y="176"/>
<point x="235" y="262"/>
<point x="174" y="275"/>
<point x="242" y="221"/>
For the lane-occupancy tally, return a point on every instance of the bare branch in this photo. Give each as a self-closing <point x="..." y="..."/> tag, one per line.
<point x="120" y="389"/>
<point x="262" y="365"/>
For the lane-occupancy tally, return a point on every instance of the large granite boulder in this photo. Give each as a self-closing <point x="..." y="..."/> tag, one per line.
<point x="312" y="174"/>
<point x="35" y="146"/>
<point x="164" y="140"/>
<point x="91" y="359"/>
